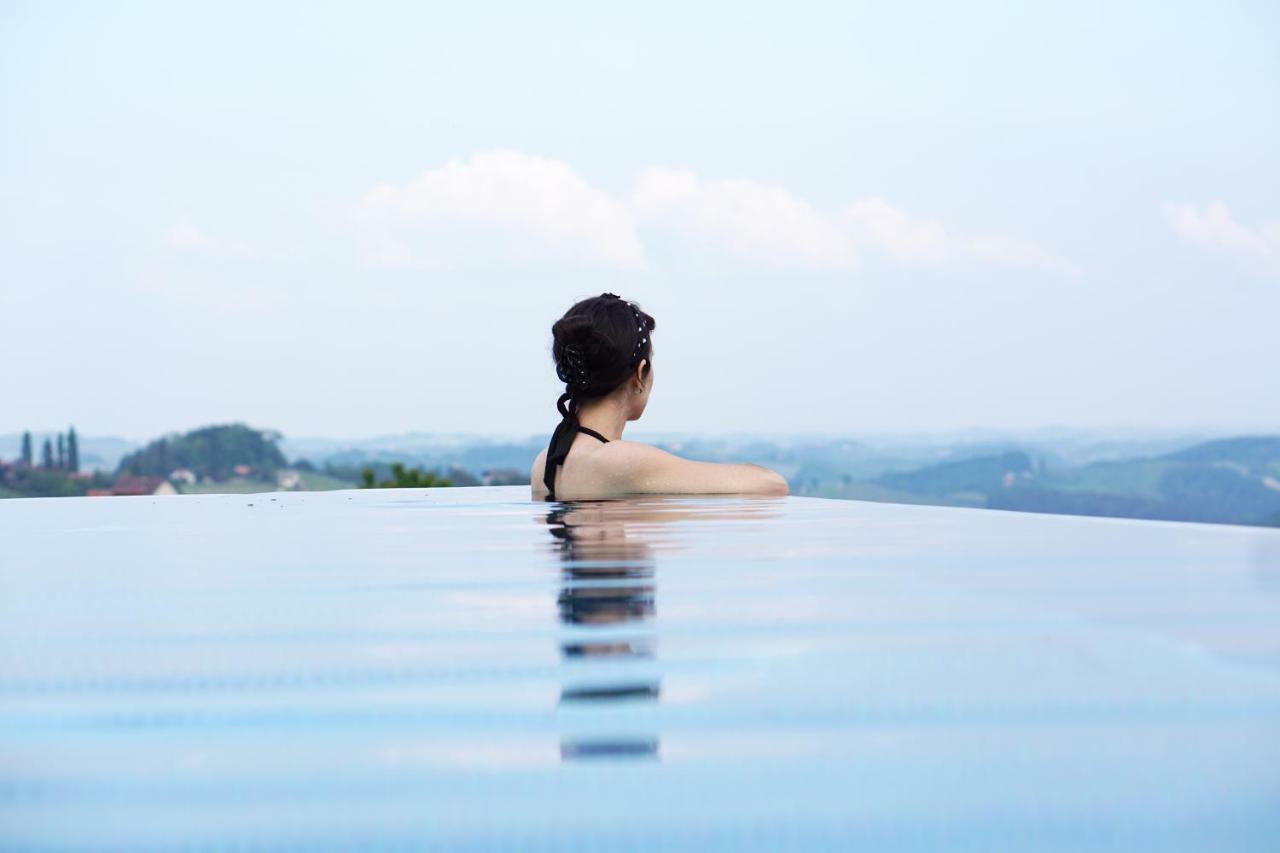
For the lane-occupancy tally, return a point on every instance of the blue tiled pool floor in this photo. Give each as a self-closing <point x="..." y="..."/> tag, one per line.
<point x="465" y="669"/>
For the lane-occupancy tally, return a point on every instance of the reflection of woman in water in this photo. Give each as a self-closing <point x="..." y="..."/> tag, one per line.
<point x="606" y="602"/>
<point x="608" y="579"/>
<point x="611" y="683"/>
<point x="603" y="349"/>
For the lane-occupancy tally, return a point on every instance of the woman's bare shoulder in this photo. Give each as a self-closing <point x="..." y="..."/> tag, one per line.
<point x="633" y="467"/>
<point x="638" y="450"/>
<point x="642" y="468"/>
<point x="535" y="472"/>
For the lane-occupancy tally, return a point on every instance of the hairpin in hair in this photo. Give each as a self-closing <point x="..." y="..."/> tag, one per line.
<point x="642" y="338"/>
<point x="572" y="369"/>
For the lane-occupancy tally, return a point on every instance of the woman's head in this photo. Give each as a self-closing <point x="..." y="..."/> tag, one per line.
<point x="603" y="345"/>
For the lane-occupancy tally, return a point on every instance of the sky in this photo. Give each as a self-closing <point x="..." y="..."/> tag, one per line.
<point x="358" y="219"/>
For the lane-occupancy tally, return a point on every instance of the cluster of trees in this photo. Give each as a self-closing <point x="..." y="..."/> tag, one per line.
<point x="212" y="452"/>
<point x="55" y="474"/>
<point x="382" y="471"/>
<point x="220" y="453"/>
<point x="403" y="478"/>
<point x="66" y="457"/>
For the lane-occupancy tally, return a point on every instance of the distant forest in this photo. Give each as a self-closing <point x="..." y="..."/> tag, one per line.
<point x="1231" y="480"/>
<point x="213" y="452"/>
<point x="218" y="459"/>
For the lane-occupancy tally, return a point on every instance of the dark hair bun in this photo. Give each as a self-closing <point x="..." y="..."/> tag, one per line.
<point x="572" y="368"/>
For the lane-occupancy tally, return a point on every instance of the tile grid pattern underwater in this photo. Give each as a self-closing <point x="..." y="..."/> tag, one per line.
<point x="466" y="669"/>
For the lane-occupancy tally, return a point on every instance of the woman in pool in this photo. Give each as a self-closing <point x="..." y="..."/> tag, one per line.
<point x="603" y="351"/>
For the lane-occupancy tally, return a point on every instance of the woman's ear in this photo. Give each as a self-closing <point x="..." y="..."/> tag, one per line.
<point x="641" y="369"/>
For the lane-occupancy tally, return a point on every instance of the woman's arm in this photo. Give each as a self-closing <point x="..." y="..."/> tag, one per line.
<point x="642" y="469"/>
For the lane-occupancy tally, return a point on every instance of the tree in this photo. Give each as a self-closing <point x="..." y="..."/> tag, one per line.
<point x="62" y="453"/>
<point x="73" y="451"/>
<point x="26" y="448"/>
<point x="410" y="478"/>
<point x="46" y="454"/>
<point x="213" y="452"/>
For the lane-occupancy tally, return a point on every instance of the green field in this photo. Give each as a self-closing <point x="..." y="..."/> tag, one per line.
<point x="1140" y="477"/>
<point x="312" y="481"/>
<point x="230" y="487"/>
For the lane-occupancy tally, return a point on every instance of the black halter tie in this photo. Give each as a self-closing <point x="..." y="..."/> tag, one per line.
<point x="589" y="431"/>
<point x="562" y="440"/>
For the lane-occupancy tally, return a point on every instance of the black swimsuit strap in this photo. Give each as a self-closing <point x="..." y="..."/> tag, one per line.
<point x="562" y="440"/>
<point x="589" y="431"/>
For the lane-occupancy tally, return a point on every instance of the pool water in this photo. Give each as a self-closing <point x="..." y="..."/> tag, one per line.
<point x="466" y="669"/>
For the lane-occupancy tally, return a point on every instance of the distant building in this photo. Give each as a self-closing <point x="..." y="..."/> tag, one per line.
<point x="288" y="480"/>
<point x="183" y="475"/>
<point x="242" y="470"/>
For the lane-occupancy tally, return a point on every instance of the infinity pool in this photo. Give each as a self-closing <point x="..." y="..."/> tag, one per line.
<point x="465" y="669"/>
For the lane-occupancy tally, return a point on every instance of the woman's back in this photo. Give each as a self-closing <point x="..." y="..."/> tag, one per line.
<point x="585" y="477"/>
<point x="603" y="353"/>
<point x="631" y="468"/>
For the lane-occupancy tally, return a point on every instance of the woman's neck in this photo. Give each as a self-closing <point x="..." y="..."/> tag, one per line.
<point x="606" y="416"/>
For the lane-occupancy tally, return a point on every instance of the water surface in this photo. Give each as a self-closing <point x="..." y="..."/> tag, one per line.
<point x="466" y="669"/>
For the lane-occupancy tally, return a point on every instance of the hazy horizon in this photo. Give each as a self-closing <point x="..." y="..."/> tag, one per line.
<point x="1048" y="432"/>
<point x="847" y="218"/>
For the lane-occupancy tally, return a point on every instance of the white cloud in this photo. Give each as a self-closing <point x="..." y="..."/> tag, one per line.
<point x="185" y="237"/>
<point x="1213" y="228"/>
<point x="499" y="208"/>
<point x="759" y="223"/>
<point x="507" y="207"/>
<point x="749" y="220"/>
<point x="881" y="228"/>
